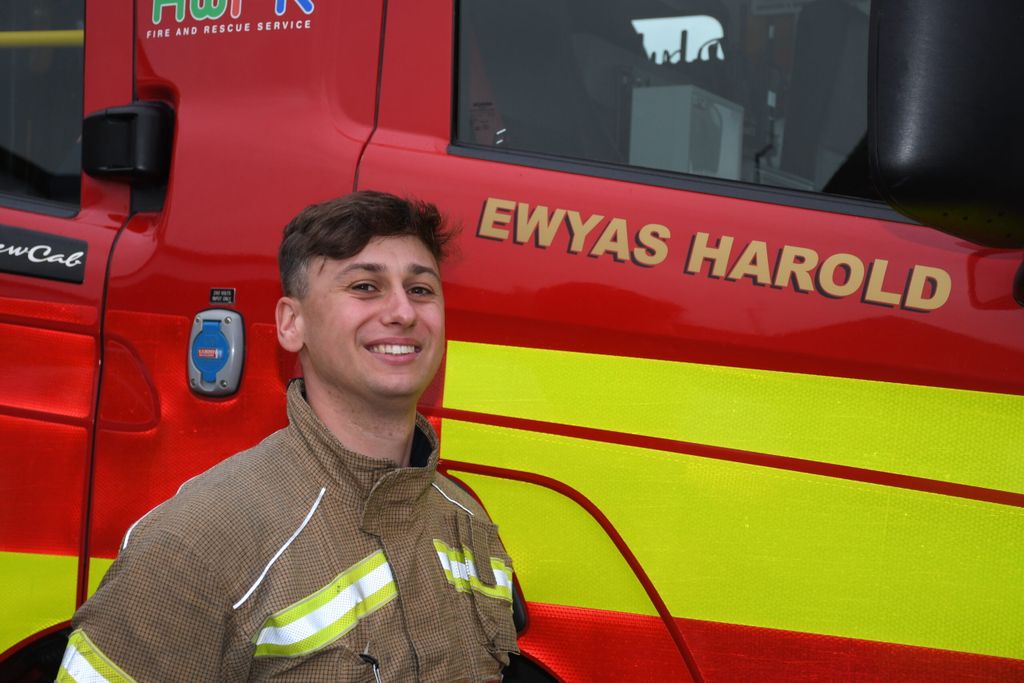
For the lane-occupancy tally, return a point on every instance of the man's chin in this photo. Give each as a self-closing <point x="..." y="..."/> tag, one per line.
<point x="401" y="393"/>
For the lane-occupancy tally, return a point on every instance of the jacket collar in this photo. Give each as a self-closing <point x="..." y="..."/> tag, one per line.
<point x="389" y="493"/>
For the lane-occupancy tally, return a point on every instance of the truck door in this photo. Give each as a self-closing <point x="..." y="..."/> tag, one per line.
<point x="273" y="103"/>
<point x="686" y="344"/>
<point x="60" y="59"/>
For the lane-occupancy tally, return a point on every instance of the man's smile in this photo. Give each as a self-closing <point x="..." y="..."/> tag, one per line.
<point x="393" y="349"/>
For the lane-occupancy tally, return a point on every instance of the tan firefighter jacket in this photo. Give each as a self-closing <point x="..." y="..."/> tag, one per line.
<point x="299" y="560"/>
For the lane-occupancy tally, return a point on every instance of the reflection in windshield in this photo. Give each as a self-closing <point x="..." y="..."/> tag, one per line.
<point x="669" y="40"/>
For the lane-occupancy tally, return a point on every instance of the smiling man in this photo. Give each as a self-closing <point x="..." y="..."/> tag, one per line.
<point x="332" y="550"/>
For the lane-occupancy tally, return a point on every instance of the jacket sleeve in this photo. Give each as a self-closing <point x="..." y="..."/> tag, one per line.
<point x="160" y="615"/>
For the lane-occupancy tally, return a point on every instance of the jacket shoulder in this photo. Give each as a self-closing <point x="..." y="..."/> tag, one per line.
<point x="457" y="495"/>
<point x="236" y="505"/>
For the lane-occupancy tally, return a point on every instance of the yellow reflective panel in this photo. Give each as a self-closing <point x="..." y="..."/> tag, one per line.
<point x="966" y="437"/>
<point x="38" y="592"/>
<point x="743" y="544"/>
<point x="560" y="554"/>
<point x="98" y="567"/>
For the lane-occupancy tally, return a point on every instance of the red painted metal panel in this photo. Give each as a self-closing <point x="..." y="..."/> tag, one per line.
<point x="58" y="315"/>
<point x="108" y="83"/>
<point x="43" y="471"/>
<point x="47" y="371"/>
<point x="573" y="643"/>
<point x="267" y="121"/>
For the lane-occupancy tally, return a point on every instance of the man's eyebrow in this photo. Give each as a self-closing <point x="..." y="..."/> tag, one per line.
<point x="418" y="269"/>
<point x="413" y="269"/>
<point x="370" y="267"/>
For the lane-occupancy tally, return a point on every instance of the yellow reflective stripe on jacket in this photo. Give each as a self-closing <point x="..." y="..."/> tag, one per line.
<point x="460" y="570"/>
<point x="84" y="663"/>
<point x="331" y="612"/>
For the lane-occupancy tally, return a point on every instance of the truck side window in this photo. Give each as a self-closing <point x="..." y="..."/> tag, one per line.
<point x="772" y="92"/>
<point x="41" y="76"/>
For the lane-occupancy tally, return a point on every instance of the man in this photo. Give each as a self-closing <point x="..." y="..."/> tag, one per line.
<point x="332" y="550"/>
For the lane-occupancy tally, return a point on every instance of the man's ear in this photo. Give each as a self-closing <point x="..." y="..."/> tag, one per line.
<point x="289" y="324"/>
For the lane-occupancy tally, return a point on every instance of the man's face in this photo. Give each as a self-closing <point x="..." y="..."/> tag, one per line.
<point x="371" y="327"/>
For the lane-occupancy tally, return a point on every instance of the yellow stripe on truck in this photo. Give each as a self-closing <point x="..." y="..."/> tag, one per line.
<point x="966" y="437"/>
<point x="98" y="567"/>
<point x="743" y="544"/>
<point x="38" y="592"/>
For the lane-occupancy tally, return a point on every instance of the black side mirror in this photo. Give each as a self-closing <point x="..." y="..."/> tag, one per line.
<point x="130" y="143"/>
<point x="946" y="115"/>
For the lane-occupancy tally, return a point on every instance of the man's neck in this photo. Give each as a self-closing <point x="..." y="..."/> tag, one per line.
<point x="384" y="432"/>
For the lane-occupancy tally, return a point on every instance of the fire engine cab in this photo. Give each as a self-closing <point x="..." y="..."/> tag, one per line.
<point x="735" y="321"/>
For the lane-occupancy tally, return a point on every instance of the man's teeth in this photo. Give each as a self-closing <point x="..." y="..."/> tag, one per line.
<point x="393" y="349"/>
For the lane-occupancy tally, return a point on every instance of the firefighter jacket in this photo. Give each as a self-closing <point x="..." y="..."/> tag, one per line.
<point x="299" y="560"/>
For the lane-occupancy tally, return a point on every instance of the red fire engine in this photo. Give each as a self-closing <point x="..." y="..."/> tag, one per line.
<point x="736" y="339"/>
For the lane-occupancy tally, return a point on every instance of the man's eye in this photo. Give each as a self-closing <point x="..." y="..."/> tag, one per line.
<point x="364" y="287"/>
<point x="420" y="290"/>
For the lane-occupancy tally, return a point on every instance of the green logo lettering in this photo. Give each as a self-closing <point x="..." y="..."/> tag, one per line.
<point x="159" y="5"/>
<point x="208" y="9"/>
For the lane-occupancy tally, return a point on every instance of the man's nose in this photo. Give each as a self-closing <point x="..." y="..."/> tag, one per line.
<point x="398" y="309"/>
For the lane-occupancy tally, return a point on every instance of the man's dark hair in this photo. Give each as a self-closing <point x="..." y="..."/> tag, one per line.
<point x="341" y="228"/>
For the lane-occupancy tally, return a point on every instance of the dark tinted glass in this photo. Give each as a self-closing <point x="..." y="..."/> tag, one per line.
<point x="41" y="73"/>
<point x="772" y="92"/>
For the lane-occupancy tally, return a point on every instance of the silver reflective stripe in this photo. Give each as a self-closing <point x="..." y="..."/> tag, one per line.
<point x="295" y="534"/>
<point x="460" y="569"/>
<point x="502" y="574"/>
<point x="452" y="500"/>
<point x="75" y="667"/>
<point x="331" y="612"/>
